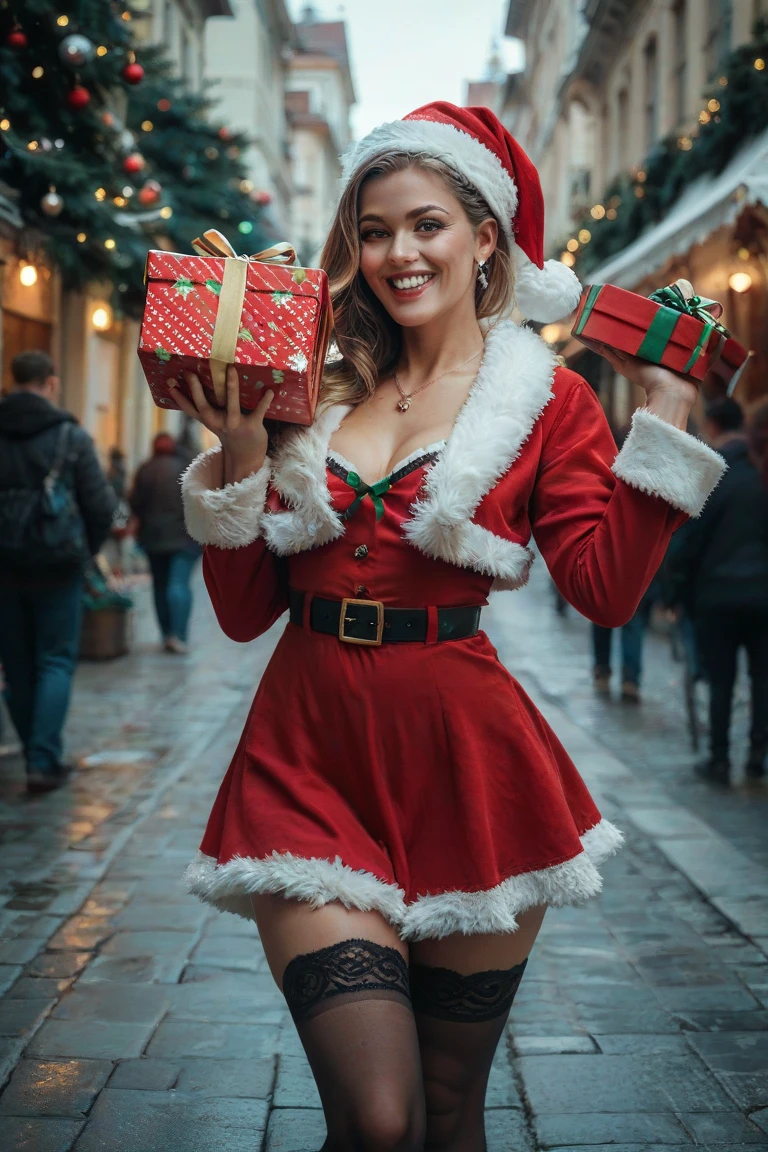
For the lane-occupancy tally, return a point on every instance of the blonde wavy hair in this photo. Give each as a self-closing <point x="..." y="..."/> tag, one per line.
<point x="367" y="338"/>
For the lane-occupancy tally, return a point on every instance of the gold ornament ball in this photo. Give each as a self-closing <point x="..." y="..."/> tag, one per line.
<point x="51" y="204"/>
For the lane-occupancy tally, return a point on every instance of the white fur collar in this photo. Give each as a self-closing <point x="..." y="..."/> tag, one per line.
<point x="513" y="385"/>
<point x="512" y="388"/>
<point x="299" y="476"/>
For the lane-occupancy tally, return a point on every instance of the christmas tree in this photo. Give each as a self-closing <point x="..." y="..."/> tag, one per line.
<point x="109" y="154"/>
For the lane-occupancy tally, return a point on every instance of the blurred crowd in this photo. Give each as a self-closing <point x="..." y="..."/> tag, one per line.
<point x="712" y="589"/>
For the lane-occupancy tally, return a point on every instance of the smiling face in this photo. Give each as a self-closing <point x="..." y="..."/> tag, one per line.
<point x="418" y="250"/>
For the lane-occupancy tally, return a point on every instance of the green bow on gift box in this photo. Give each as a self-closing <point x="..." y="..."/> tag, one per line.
<point x="675" y="302"/>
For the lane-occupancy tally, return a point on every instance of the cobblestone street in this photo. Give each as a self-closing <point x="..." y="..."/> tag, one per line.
<point x="136" y="1019"/>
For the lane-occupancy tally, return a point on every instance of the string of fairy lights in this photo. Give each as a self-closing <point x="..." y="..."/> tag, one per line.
<point x="609" y="210"/>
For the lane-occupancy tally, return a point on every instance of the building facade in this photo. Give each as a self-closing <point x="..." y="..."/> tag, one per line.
<point x="246" y="62"/>
<point x="604" y="81"/>
<point x="318" y="100"/>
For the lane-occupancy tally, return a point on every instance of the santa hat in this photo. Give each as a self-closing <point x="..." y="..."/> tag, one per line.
<point x="475" y="143"/>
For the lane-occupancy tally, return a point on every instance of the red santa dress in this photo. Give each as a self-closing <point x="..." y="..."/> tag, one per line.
<point x="418" y="779"/>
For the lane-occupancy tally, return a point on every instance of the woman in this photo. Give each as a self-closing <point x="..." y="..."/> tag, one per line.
<point x="398" y="816"/>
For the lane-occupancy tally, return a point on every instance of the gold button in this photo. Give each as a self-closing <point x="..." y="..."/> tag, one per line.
<point x="361" y="552"/>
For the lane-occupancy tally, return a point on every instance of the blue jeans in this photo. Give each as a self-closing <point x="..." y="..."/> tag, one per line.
<point x="171" y="576"/>
<point x="39" y="642"/>
<point x="631" y="647"/>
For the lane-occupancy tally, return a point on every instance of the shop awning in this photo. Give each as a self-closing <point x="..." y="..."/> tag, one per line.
<point x="707" y="205"/>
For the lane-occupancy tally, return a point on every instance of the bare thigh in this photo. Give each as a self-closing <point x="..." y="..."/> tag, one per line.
<point x="467" y="954"/>
<point x="290" y="928"/>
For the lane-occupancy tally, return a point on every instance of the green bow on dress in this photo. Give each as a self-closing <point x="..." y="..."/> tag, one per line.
<point x="375" y="491"/>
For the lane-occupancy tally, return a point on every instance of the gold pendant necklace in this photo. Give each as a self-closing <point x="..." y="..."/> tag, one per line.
<point x="406" y="398"/>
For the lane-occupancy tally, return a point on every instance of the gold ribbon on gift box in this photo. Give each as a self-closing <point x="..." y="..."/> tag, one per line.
<point x="232" y="298"/>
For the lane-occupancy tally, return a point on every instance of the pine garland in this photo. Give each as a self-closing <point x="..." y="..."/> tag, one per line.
<point x="103" y="232"/>
<point x="734" y="110"/>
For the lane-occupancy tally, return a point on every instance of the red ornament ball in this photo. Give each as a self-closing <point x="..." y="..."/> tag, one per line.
<point x="150" y="193"/>
<point x="16" y="39"/>
<point x="133" y="73"/>
<point x="224" y="133"/>
<point x="78" y="98"/>
<point x="264" y="198"/>
<point x="133" y="163"/>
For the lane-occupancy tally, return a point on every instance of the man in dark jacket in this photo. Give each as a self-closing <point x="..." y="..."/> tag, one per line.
<point x="40" y="603"/>
<point x="719" y="569"/>
<point x="157" y="504"/>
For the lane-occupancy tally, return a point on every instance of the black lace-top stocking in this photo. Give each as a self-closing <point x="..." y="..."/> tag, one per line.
<point x="353" y="968"/>
<point x="448" y="995"/>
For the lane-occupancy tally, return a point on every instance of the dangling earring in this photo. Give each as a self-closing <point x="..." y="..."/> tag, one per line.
<point x="482" y="279"/>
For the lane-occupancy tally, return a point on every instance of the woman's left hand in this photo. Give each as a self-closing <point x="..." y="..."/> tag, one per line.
<point x="669" y="395"/>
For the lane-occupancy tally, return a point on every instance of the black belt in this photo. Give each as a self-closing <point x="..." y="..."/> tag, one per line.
<point x="369" y="622"/>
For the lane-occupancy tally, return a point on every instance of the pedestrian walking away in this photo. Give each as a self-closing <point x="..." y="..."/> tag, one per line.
<point x="719" y="574"/>
<point x="156" y="503"/>
<point x="398" y="816"/>
<point x="56" y="509"/>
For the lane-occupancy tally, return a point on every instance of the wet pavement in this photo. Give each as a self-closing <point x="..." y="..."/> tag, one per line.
<point x="135" y="1019"/>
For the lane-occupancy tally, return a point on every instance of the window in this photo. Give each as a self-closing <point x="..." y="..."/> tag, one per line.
<point x="718" y="38"/>
<point x="168" y="18"/>
<point x="679" y="68"/>
<point x="622" y="126"/>
<point x="651" y="94"/>
<point x="186" y="59"/>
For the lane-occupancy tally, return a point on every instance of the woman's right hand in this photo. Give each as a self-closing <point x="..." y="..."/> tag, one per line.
<point x="243" y="435"/>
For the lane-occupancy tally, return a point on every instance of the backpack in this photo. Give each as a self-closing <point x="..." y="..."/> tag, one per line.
<point x="42" y="527"/>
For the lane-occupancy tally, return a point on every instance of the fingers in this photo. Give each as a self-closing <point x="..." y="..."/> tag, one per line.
<point x="186" y="406"/>
<point x="261" y="410"/>
<point x="233" y="398"/>
<point x="196" y="388"/>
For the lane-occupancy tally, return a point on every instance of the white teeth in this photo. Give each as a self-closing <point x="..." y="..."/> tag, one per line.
<point x="410" y="281"/>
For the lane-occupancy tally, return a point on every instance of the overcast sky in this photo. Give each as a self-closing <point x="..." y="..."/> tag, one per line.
<point x="408" y="52"/>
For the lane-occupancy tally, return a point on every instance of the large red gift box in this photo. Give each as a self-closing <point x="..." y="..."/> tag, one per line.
<point x="672" y="327"/>
<point x="272" y="320"/>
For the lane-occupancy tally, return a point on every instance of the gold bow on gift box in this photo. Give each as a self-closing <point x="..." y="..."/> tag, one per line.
<point x="232" y="297"/>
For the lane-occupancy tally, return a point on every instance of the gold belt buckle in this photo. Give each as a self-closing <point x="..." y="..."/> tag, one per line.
<point x="345" y="619"/>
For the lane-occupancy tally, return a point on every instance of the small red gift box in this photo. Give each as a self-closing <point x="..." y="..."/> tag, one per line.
<point x="672" y="327"/>
<point x="272" y="320"/>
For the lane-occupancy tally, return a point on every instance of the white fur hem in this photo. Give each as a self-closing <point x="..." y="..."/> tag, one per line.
<point x="225" y="517"/>
<point x="664" y="461"/>
<point x="229" y="887"/>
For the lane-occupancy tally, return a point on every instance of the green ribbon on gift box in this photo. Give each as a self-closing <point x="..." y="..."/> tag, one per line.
<point x="673" y="306"/>
<point x="375" y="491"/>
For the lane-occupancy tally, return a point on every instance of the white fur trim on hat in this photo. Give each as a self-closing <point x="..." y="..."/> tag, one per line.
<point x="445" y="142"/>
<point x="545" y="294"/>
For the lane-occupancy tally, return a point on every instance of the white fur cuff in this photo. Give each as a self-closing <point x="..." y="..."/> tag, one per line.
<point x="228" y="517"/>
<point x="664" y="461"/>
